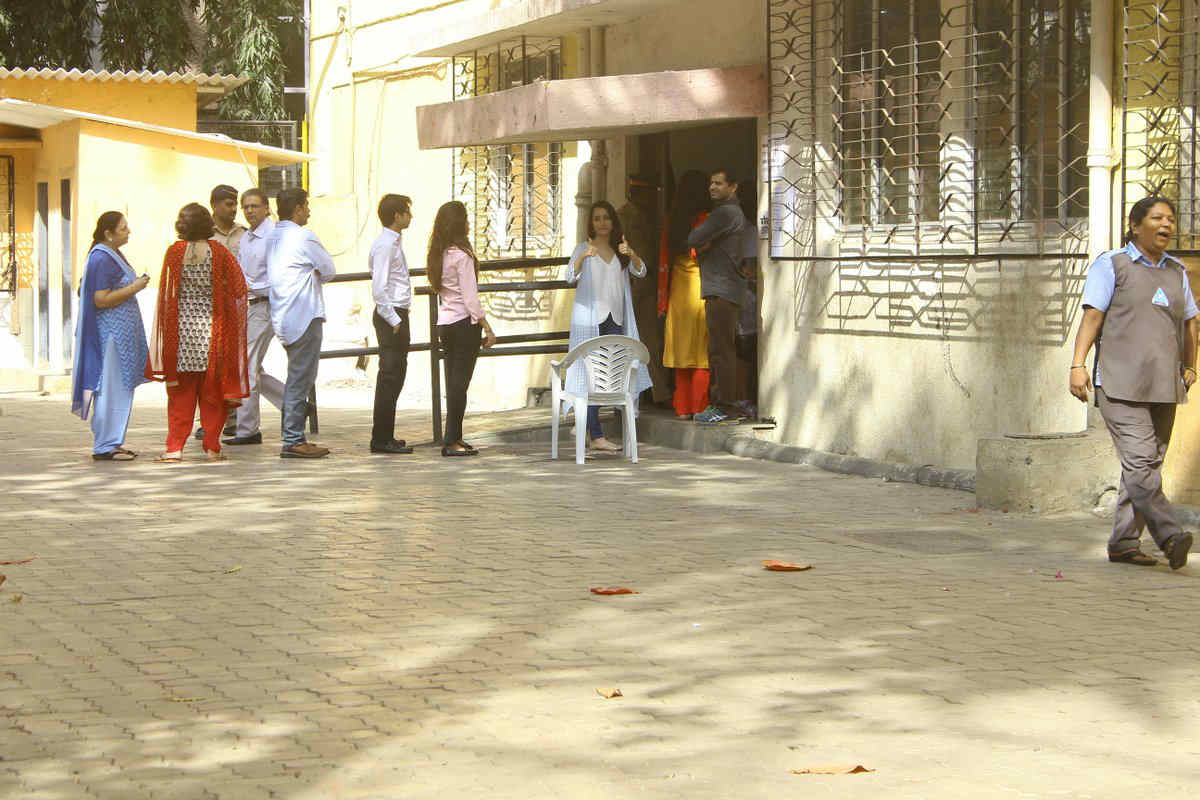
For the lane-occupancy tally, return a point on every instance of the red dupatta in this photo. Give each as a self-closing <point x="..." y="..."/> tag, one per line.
<point x="227" y="372"/>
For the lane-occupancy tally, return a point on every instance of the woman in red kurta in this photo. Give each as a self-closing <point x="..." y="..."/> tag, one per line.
<point x="198" y="346"/>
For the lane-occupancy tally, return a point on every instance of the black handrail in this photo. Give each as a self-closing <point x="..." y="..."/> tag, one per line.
<point x="519" y="348"/>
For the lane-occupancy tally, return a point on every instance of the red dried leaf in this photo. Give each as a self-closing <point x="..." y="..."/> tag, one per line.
<point x="611" y="590"/>
<point x="10" y="563"/>
<point x="785" y="566"/>
<point x="833" y="769"/>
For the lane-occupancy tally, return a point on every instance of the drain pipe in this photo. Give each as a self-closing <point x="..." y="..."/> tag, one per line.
<point x="596" y="69"/>
<point x="1100" y="157"/>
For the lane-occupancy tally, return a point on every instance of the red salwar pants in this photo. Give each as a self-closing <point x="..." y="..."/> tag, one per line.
<point x="182" y="399"/>
<point x="691" y="390"/>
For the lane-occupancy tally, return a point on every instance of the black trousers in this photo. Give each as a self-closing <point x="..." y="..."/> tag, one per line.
<point x="721" y="317"/>
<point x="393" y="367"/>
<point x="460" y="347"/>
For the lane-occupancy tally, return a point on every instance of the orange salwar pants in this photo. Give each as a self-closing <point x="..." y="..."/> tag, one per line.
<point x="691" y="390"/>
<point x="182" y="399"/>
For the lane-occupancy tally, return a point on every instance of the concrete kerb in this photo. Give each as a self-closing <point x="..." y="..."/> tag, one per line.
<point x="680" y="435"/>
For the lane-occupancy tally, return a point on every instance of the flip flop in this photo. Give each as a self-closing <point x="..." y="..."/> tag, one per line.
<point x="165" y="459"/>
<point x="115" y="455"/>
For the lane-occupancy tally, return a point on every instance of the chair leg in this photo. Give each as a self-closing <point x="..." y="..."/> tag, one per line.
<point x="580" y="430"/>
<point x="554" y="430"/>
<point x="630" y="434"/>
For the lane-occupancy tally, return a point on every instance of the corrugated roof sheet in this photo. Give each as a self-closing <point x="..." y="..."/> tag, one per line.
<point x="203" y="79"/>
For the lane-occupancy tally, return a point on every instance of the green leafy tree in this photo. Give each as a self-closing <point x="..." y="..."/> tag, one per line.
<point x="240" y="37"/>
<point x="248" y="37"/>
<point x="148" y="34"/>
<point x="47" y="33"/>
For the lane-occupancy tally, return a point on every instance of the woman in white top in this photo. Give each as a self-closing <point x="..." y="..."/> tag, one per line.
<point x="603" y="301"/>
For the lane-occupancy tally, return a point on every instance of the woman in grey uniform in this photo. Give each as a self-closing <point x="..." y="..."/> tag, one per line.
<point x="1139" y="311"/>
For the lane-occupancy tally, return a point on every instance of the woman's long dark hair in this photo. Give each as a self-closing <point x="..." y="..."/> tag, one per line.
<point x="449" y="230"/>
<point x="107" y="223"/>
<point x="1141" y="208"/>
<point x="690" y="199"/>
<point x="614" y="238"/>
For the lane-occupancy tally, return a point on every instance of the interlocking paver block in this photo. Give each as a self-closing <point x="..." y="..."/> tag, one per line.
<point x="420" y="627"/>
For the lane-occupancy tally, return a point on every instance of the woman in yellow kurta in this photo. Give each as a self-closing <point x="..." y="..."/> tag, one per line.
<point x="685" y="343"/>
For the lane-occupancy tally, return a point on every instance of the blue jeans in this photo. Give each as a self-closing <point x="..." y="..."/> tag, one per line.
<point x="303" y="356"/>
<point x="593" y="415"/>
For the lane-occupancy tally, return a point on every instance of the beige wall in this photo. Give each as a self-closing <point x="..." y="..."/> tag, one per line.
<point x="363" y="130"/>
<point x="169" y="104"/>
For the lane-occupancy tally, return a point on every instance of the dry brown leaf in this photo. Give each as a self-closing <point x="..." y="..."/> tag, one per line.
<point x="10" y="563"/>
<point x="3" y="578"/>
<point x="785" y="566"/>
<point x="611" y="590"/>
<point x="833" y="769"/>
<point x="16" y="598"/>
<point x="609" y="694"/>
<point x="187" y="699"/>
<point x="233" y="570"/>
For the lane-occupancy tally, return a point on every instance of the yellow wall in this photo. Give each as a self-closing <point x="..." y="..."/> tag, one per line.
<point x="149" y="177"/>
<point x="172" y="105"/>
<point x="1181" y="470"/>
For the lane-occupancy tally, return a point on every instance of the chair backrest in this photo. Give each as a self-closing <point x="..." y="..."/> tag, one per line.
<point x="608" y="361"/>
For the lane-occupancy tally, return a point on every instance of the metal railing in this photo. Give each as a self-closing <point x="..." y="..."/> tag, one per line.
<point x="517" y="345"/>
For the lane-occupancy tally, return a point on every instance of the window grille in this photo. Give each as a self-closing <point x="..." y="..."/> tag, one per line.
<point x="1160" y="91"/>
<point x="925" y="154"/>
<point x="513" y="192"/>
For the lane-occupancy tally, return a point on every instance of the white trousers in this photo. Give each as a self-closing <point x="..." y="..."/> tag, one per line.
<point x="259" y="335"/>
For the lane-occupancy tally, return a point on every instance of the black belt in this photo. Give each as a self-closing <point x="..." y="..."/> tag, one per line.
<point x="254" y="300"/>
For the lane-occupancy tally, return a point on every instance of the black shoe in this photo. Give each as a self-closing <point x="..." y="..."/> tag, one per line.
<point x="470" y="447"/>
<point x="451" y="453"/>
<point x="1177" y="549"/>
<point x="395" y="446"/>
<point x="254" y="438"/>
<point x="229" y="430"/>
<point x="200" y="433"/>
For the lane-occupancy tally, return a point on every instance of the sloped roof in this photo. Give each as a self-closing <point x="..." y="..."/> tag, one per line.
<point x="203" y="79"/>
<point x="37" y="116"/>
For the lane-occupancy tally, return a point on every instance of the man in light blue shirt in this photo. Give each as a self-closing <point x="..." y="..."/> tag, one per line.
<point x="259" y="332"/>
<point x="297" y="267"/>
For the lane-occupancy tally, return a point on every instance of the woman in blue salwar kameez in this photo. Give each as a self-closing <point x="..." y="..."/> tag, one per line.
<point x="110" y="340"/>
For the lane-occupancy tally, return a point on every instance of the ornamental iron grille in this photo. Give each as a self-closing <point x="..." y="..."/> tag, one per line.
<point x="1160" y="90"/>
<point x="513" y="192"/>
<point x="927" y="163"/>
<point x="8" y="227"/>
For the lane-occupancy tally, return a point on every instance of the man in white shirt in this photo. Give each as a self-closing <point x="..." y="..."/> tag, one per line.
<point x="259" y="333"/>
<point x="224" y="201"/>
<point x="392" y="290"/>
<point x="297" y="266"/>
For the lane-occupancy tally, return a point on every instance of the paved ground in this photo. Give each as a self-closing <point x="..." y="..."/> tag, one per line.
<point x="366" y="627"/>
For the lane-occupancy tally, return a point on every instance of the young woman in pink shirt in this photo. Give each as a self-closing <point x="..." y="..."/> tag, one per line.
<point x="453" y="272"/>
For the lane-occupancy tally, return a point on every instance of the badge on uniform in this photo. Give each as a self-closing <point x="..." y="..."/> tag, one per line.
<point x="1160" y="298"/>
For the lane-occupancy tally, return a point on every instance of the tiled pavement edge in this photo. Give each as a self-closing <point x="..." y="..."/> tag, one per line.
<point x="414" y="627"/>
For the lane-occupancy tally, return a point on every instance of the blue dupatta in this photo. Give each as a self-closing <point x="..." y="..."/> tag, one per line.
<point x="89" y="338"/>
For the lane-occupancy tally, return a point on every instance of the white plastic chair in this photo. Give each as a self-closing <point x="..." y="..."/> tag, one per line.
<point x="610" y="362"/>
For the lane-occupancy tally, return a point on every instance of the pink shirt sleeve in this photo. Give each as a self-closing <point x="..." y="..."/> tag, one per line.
<point x="467" y="285"/>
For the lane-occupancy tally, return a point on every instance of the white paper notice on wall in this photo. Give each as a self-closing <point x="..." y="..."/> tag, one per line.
<point x="783" y="223"/>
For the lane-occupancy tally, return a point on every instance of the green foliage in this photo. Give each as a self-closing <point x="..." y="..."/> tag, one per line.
<point x="246" y="37"/>
<point x="239" y="37"/>
<point x="148" y="34"/>
<point x="46" y="33"/>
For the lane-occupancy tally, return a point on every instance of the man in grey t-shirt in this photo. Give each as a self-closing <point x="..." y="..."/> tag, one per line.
<point x="718" y="241"/>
